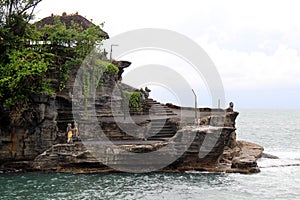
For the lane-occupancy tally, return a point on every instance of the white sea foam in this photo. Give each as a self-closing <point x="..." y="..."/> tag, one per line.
<point x="285" y="159"/>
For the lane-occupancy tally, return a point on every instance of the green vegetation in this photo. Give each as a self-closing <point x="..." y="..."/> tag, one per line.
<point x="135" y="100"/>
<point x="31" y="55"/>
<point x="68" y="45"/>
<point x="94" y="73"/>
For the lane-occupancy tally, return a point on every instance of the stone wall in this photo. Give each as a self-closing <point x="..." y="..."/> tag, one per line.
<point x="34" y="140"/>
<point x="26" y="141"/>
<point x="48" y="121"/>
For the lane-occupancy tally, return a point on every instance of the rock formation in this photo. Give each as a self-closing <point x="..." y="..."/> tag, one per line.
<point x="185" y="141"/>
<point x="167" y="130"/>
<point x="44" y="146"/>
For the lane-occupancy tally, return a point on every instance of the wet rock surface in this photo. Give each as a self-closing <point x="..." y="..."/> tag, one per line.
<point x="169" y="136"/>
<point x="186" y="146"/>
<point x="167" y="130"/>
<point x="181" y="145"/>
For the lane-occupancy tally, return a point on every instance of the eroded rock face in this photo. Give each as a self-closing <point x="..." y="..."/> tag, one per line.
<point x="212" y="146"/>
<point x="206" y="148"/>
<point x="185" y="146"/>
<point x="209" y="146"/>
<point x="218" y="118"/>
<point x="47" y="124"/>
<point x="189" y="146"/>
<point x="26" y="142"/>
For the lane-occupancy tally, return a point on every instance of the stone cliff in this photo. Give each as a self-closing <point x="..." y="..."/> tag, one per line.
<point x="42" y="144"/>
<point x="180" y="151"/>
<point x="47" y="122"/>
<point x="137" y="134"/>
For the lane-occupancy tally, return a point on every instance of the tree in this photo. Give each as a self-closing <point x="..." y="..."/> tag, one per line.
<point x="31" y="55"/>
<point x="69" y="45"/>
<point x="15" y="16"/>
<point x="11" y="9"/>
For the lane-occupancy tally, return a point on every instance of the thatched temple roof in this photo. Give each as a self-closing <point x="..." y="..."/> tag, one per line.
<point x="67" y="19"/>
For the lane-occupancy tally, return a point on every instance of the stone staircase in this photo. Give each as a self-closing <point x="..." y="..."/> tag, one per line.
<point x="107" y="107"/>
<point x="160" y="130"/>
<point x="158" y="109"/>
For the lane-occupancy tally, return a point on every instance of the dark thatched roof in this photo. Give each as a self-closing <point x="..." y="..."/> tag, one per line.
<point x="67" y="19"/>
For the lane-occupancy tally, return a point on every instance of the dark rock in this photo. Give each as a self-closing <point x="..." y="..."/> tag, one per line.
<point x="121" y="65"/>
<point x="75" y="157"/>
<point x="244" y="163"/>
<point x="211" y="146"/>
<point x="269" y="156"/>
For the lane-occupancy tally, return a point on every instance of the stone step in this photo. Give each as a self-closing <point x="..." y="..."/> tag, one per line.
<point x="159" y="135"/>
<point x="160" y="124"/>
<point x="160" y="132"/>
<point x="164" y="114"/>
<point x="158" y="129"/>
<point x="159" y="111"/>
<point x="157" y="108"/>
<point x="106" y="111"/>
<point x="158" y="139"/>
<point x="150" y="104"/>
<point x="150" y="137"/>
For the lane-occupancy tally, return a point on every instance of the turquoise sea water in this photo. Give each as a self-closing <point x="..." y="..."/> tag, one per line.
<point x="277" y="131"/>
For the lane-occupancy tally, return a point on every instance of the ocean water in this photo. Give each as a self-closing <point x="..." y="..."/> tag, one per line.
<point x="277" y="130"/>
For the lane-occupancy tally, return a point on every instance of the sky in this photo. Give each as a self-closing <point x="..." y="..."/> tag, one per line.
<point x="255" y="45"/>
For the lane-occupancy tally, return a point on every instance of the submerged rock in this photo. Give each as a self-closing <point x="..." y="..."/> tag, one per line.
<point x="269" y="156"/>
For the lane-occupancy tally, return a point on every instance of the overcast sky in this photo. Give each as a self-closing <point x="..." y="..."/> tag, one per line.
<point x="255" y="45"/>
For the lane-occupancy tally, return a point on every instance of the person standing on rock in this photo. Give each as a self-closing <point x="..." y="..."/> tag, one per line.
<point x="69" y="133"/>
<point x="76" y="129"/>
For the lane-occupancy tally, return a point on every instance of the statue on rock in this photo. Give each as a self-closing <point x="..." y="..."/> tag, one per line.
<point x="230" y="108"/>
<point x="147" y="91"/>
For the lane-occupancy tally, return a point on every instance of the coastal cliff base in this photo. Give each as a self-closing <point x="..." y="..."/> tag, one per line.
<point x="80" y="158"/>
<point x="76" y="159"/>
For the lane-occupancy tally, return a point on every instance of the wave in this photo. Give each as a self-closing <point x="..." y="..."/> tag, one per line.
<point x="286" y="159"/>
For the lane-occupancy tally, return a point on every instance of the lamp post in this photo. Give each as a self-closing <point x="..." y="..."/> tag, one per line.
<point x="111" y="47"/>
<point x="196" y="118"/>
